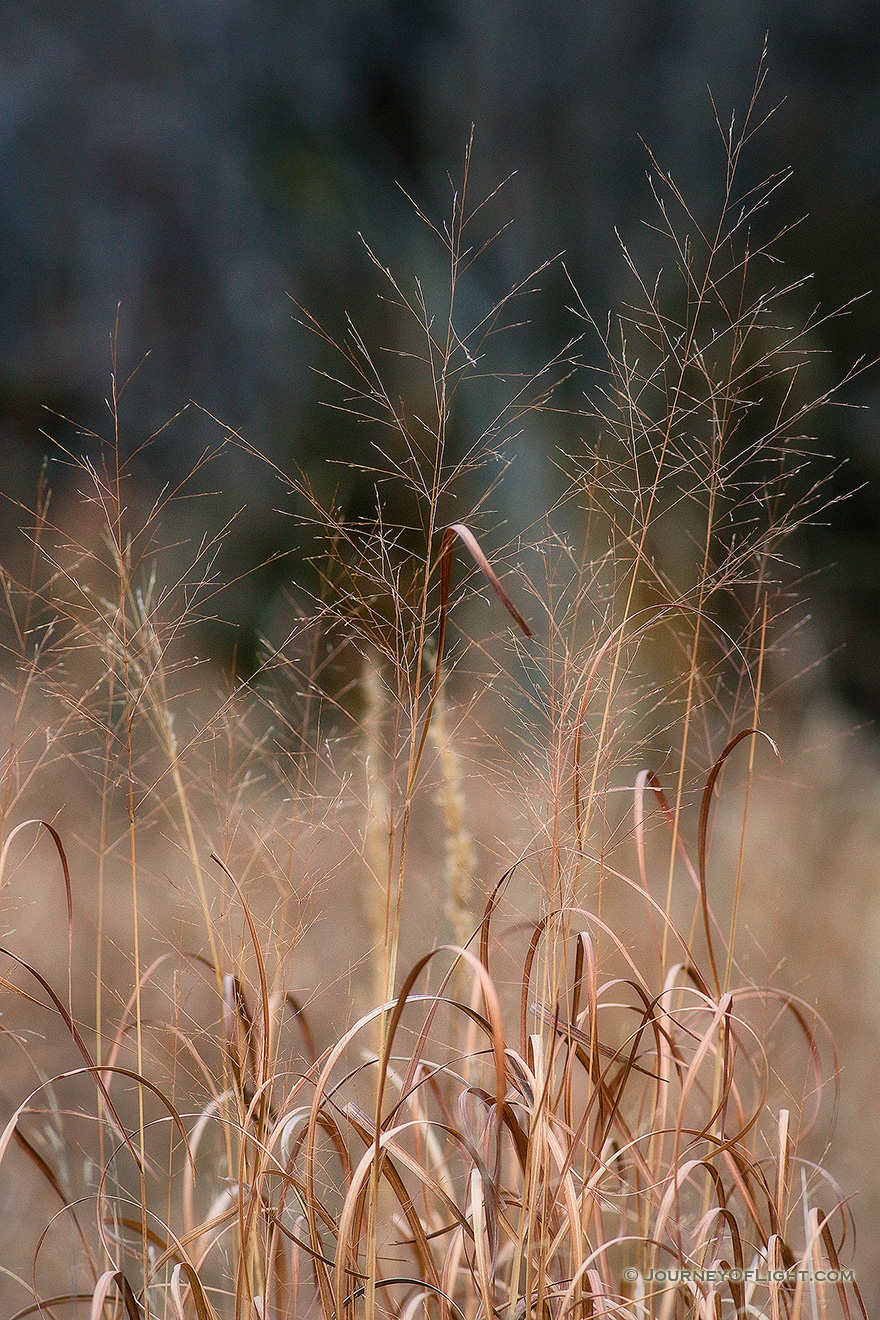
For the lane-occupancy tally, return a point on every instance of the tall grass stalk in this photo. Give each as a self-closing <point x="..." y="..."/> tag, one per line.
<point x="277" y="1092"/>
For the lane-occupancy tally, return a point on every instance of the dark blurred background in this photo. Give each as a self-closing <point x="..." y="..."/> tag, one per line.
<point x="197" y="161"/>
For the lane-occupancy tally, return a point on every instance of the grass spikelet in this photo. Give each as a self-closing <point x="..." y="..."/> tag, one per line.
<point x="378" y="838"/>
<point x="460" y="860"/>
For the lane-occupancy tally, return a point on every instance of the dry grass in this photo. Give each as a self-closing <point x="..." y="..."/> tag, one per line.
<point x="583" y="1104"/>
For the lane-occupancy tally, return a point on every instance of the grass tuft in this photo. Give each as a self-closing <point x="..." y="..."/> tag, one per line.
<point x="263" y="1085"/>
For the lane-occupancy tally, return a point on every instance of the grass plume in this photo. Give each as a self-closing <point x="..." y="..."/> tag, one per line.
<point x="260" y="1091"/>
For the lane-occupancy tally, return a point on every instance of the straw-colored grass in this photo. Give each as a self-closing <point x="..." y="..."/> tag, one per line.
<point x="250" y="1078"/>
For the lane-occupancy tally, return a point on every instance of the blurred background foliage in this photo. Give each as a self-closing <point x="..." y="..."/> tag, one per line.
<point x="201" y="162"/>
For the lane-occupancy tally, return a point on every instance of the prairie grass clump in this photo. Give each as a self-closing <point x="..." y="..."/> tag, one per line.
<point x="231" y="1103"/>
